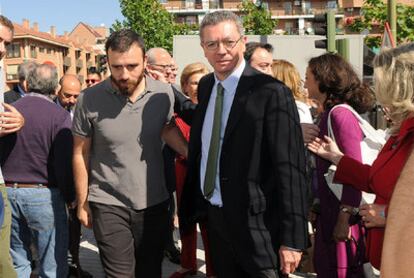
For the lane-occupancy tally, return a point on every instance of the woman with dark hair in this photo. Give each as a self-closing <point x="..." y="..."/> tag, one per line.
<point x="394" y="89"/>
<point x="339" y="239"/>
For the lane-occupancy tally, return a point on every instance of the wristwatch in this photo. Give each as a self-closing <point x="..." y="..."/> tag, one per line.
<point x="351" y="211"/>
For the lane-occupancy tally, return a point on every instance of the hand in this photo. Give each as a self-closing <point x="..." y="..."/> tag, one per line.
<point x="84" y="215"/>
<point x="10" y="120"/>
<point x="327" y="149"/>
<point x="309" y="131"/>
<point x="342" y="232"/>
<point x="157" y="75"/>
<point x="373" y="215"/>
<point x="289" y="259"/>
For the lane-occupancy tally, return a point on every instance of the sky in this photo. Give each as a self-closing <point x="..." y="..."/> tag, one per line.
<point x="64" y="15"/>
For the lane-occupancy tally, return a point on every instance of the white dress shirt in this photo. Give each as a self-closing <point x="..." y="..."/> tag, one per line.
<point x="230" y="86"/>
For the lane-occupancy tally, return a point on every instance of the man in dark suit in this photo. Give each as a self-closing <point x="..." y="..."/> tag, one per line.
<point x="246" y="162"/>
<point x="20" y="89"/>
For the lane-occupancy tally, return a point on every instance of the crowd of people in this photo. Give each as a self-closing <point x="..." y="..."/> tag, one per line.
<point x="242" y="151"/>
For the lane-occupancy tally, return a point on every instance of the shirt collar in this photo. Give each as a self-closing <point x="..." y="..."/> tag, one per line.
<point x="230" y="83"/>
<point x="21" y="91"/>
<point x="39" y="96"/>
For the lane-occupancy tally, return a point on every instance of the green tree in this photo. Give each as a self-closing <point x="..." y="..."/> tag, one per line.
<point x="256" y="19"/>
<point x="149" y="19"/>
<point x="374" y="15"/>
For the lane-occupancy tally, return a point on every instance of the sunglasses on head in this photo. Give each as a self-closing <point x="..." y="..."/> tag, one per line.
<point x="93" y="81"/>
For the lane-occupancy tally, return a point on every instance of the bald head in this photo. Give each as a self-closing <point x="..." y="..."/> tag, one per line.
<point x="70" y="88"/>
<point x="157" y="54"/>
<point x="159" y="59"/>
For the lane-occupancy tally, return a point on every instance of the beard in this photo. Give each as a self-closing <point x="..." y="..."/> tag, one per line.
<point x="127" y="87"/>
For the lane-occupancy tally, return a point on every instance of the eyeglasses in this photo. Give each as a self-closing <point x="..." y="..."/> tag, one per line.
<point x="228" y="44"/>
<point x="93" y="81"/>
<point x="165" y="67"/>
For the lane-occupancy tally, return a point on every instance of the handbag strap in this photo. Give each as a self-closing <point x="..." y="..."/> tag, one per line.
<point x="366" y="128"/>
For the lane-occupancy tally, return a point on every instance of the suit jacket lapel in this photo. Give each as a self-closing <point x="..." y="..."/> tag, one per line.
<point x="242" y="92"/>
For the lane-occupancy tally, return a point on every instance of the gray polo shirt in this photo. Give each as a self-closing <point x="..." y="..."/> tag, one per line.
<point x="126" y="163"/>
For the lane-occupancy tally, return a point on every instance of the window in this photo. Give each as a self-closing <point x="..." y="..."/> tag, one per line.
<point x="11" y="72"/>
<point x="288" y="8"/>
<point x="41" y="49"/>
<point x="289" y="28"/>
<point x="189" y="4"/>
<point x="49" y="50"/>
<point x="77" y="54"/>
<point x="306" y="7"/>
<point x="215" y="4"/>
<point x="331" y="5"/>
<point x="13" y="50"/>
<point x="163" y="1"/>
<point x="33" y="52"/>
<point x="190" y="20"/>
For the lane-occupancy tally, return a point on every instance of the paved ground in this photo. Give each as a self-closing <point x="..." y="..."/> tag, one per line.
<point x="89" y="258"/>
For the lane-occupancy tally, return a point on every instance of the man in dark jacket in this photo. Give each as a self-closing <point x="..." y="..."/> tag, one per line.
<point x="20" y="89"/>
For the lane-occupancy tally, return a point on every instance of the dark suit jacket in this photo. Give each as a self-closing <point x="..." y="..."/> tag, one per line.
<point x="184" y="108"/>
<point x="12" y="95"/>
<point x="262" y="170"/>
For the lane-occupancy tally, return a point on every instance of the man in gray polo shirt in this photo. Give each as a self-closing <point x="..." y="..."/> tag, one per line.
<point x="119" y="127"/>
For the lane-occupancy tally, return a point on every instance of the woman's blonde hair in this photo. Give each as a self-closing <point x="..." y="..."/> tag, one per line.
<point x="288" y="74"/>
<point x="394" y="82"/>
<point x="191" y="69"/>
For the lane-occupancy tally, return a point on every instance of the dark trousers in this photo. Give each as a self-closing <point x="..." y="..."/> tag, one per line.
<point x="170" y="245"/>
<point x="131" y="242"/>
<point x="74" y="237"/>
<point x="222" y="253"/>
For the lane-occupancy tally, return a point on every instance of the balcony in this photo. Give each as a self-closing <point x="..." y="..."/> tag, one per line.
<point x="67" y="61"/>
<point x="198" y="7"/>
<point x="79" y="63"/>
<point x="300" y="12"/>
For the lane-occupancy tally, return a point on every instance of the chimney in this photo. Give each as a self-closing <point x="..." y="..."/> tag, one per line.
<point x="26" y="23"/>
<point x="53" y="31"/>
<point x="35" y="27"/>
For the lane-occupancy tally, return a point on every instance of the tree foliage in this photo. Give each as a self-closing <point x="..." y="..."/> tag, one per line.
<point x="374" y="15"/>
<point x="149" y="19"/>
<point x="256" y="19"/>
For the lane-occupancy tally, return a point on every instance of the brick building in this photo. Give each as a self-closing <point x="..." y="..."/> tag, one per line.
<point x="70" y="53"/>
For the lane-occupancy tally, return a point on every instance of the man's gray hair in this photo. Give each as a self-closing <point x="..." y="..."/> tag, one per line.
<point x="217" y="17"/>
<point x="43" y="79"/>
<point x="24" y="69"/>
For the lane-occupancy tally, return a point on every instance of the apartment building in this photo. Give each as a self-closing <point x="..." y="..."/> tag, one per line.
<point x="294" y="16"/>
<point x="69" y="55"/>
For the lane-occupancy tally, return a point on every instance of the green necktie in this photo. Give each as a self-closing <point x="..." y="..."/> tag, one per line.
<point x="213" y="152"/>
